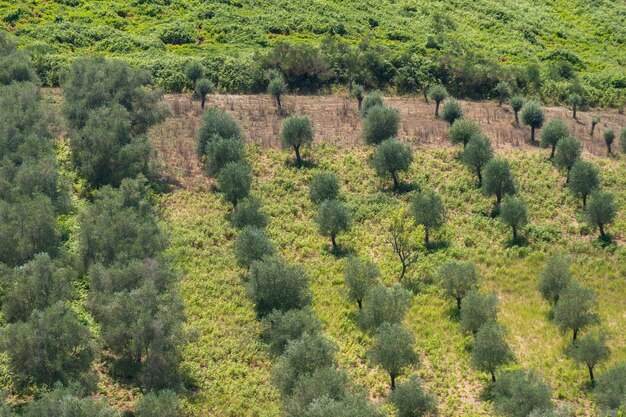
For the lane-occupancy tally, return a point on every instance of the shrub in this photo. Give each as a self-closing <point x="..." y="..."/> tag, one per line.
<point x="576" y="309"/>
<point x="158" y="404"/>
<point x="302" y="358"/>
<point x="477" y="154"/>
<point x="324" y="382"/>
<point x="384" y="305"/>
<point x="519" y="393"/>
<point x="249" y="213"/>
<point x="350" y="406"/>
<point x="216" y="124"/>
<point x="458" y="279"/>
<point x="235" y="180"/>
<point x="552" y="133"/>
<point x="252" y="245"/>
<point x="428" y="211"/>
<point x="275" y="285"/>
<point x="392" y="157"/>
<point x="373" y="99"/>
<point x="513" y="214"/>
<point x="177" y="33"/>
<point x="584" y="178"/>
<point x="498" y="180"/>
<point x="452" y="111"/>
<point x="490" y="350"/>
<point x="609" y="138"/>
<point x="333" y="218"/>
<point x="601" y="210"/>
<point x="610" y="390"/>
<point x="590" y="350"/>
<point x="393" y="350"/>
<point x="462" y="131"/>
<point x="360" y="276"/>
<point x="437" y="93"/>
<point x="516" y="103"/>
<point x="412" y="400"/>
<point x="478" y="309"/>
<point x="324" y="186"/>
<point x="568" y="151"/>
<point x="555" y="278"/>
<point x="380" y="124"/>
<point x="282" y="327"/>
<point x="221" y="151"/>
<point x="296" y="133"/>
<point x="533" y="116"/>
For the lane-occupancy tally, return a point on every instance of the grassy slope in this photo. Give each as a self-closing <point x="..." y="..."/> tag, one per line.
<point x="215" y="294"/>
<point x="514" y="32"/>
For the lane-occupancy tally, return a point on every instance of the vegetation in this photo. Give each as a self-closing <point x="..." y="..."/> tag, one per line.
<point x="584" y="178"/>
<point x="296" y="133"/>
<point x="590" y="350"/>
<point x="428" y="212"/>
<point x="360" y="276"/>
<point x="601" y="210"/>
<point x="552" y="133"/>
<point x="452" y="111"/>
<point x="437" y="93"/>
<point x="324" y="186"/>
<point x="479" y="309"/>
<point x="576" y="309"/>
<point x="458" y="279"/>
<point x="462" y="131"/>
<point x="393" y="350"/>
<point x="498" y="180"/>
<point x="477" y="154"/>
<point x="555" y="278"/>
<point x="519" y="393"/>
<point x="513" y="214"/>
<point x="380" y="123"/>
<point x="490" y="350"/>
<point x="568" y="151"/>
<point x="516" y="103"/>
<point x="333" y="218"/>
<point x="533" y="117"/>
<point x="412" y="400"/>
<point x="609" y="138"/>
<point x="390" y="158"/>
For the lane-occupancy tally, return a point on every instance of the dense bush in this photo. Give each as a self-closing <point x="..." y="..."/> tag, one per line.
<point x="380" y="124"/>
<point x="68" y="402"/>
<point x="216" y="124"/>
<point x="452" y="111"/>
<point x="158" y="404"/>
<point x="373" y="99"/>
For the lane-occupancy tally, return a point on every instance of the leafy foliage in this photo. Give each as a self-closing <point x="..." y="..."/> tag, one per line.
<point x="393" y="350"/>
<point x="462" y="131"/>
<point x="324" y="186"/>
<point x="519" y="393"/>
<point x="296" y="133"/>
<point x="380" y="124"/>
<point x="391" y="157"/>
<point x="412" y="400"/>
<point x="428" y="211"/>
<point x="384" y="305"/>
<point x="576" y="308"/>
<point x="490" y="349"/>
<point x="360" y="276"/>
<point x="555" y="278"/>
<point x="458" y="279"/>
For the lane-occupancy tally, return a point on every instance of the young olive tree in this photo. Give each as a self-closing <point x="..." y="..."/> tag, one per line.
<point x="194" y="71"/>
<point x="513" y="214"/>
<point x="502" y="90"/>
<point x="296" y="133"/>
<point x="490" y="349"/>
<point x="601" y="210"/>
<point x="235" y="180"/>
<point x="533" y="116"/>
<point x="282" y="327"/>
<point x="215" y="124"/>
<point x="384" y="305"/>
<point x="373" y="99"/>
<point x="576" y="309"/>
<point x="568" y="151"/>
<point x="252" y="245"/>
<point x="520" y="393"/>
<point x="477" y="154"/>
<point x="594" y="122"/>
<point x="380" y="124"/>
<point x="333" y="217"/>
<point x="220" y="152"/>
<point x="393" y="350"/>
<point x="360" y="275"/>
<point x="610" y="389"/>
<point x="390" y="158"/>
<point x="462" y="131"/>
<point x="452" y="111"/>
<point x="249" y="213"/>
<point x="498" y="180"/>
<point x="478" y="310"/>
<point x="590" y="350"/>
<point x="575" y="100"/>
<point x="555" y="278"/>
<point x="203" y="87"/>
<point x="516" y="103"/>
<point x="583" y="179"/>
<point x="323" y="186"/>
<point x="428" y="211"/>
<point x="552" y="133"/>
<point x="609" y="138"/>
<point x="277" y="87"/>
<point x="458" y="279"/>
<point x="437" y="93"/>
<point x="402" y="241"/>
<point x="622" y="141"/>
<point x="357" y="92"/>
<point x="411" y="400"/>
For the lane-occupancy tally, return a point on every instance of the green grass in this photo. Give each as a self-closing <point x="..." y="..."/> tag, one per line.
<point x="231" y="364"/>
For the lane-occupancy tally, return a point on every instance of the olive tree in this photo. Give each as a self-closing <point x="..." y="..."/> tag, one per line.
<point x="411" y="400"/>
<point x="276" y="87"/>
<point x="533" y="116"/>
<point x="333" y="217"/>
<point x="390" y="158"/>
<point x="357" y="92"/>
<point x="555" y="278"/>
<point x="462" y="131"/>
<point x="194" y="71"/>
<point x="328" y="383"/>
<point x="594" y="122"/>
<point x="282" y="327"/>
<point x="477" y="154"/>
<point x="590" y="349"/>
<point x="403" y="242"/>
<point x="158" y="404"/>
<point x="601" y="210"/>
<point x="323" y="186"/>
<point x="552" y="133"/>
<point x="252" y="245"/>
<point x="610" y="390"/>
<point x="428" y="211"/>
<point x="575" y="100"/>
<point x="360" y="275"/>
<point x="373" y="99"/>
<point x="69" y="401"/>
<point x="221" y="151"/>
<point x="215" y="124"/>
<point x="513" y="214"/>
<point x="622" y="141"/>
<point x="490" y="349"/>
<point x="276" y="285"/>
<point x="458" y="279"/>
<point x="296" y="133"/>
<point x="576" y="309"/>
<point x="478" y="309"/>
<point x="609" y="138"/>
<point x="249" y="213"/>
<point x="235" y="180"/>
<point x="384" y="305"/>
<point x="392" y="350"/>
<point x="583" y="179"/>
<point x="516" y="103"/>
<point x="437" y="93"/>
<point x="498" y="180"/>
<point x="452" y="111"/>
<point x="519" y="393"/>
<point x="203" y="87"/>
<point x="568" y="151"/>
<point x="502" y="90"/>
<point x="380" y="124"/>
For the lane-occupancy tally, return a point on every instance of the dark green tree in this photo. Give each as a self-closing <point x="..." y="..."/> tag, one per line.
<point x="490" y="349"/>
<point x="568" y="151"/>
<point x="462" y="131"/>
<point x="158" y="404"/>
<point x="235" y="180"/>
<point x="411" y="400"/>
<point x="533" y="116"/>
<point x="477" y="154"/>
<point x="502" y="90"/>
<point x="513" y="214"/>
<point x="583" y="179"/>
<point x="458" y="279"/>
<point x="601" y="210"/>
<point x="610" y="390"/>
<point x="428" y="211"/>
<point x="575" y="100"/>
<point x="609" y="138"/>
<point x="498" y="180"/>
<point x="203" y="87"/>
<point x="357" y="92"/>
<point x="252" y="245"/>
<point x="390" y="158"/>
<point x="282" y="327"/>
<point x="296" y="133"/>
<point x="221" y="151"/>
<point x="576" y="309"/>
<point x="332" y="218"/>
<point x="380" y="124"/>
<point x="249" y="212"/>
<point x="360" y="276"/>
<point x="594" y="122"/>
<point x="452" y="111"/>
<point x="324" y="186"/>
<point x="590" y="349"/>
<point x="373" y="99"/>
<point x="478" y="310"/>
<point x="519" y="393"/>
<point x="552" y="133"/>
<point x="384" y="305"/>
<point x="393" y="350"/>
<point x="276" y="285"/>
<point x="216" y="124"/>
<point x="437" y="93"/>
<point x="555" y="278"/>
<point x="277" y="87"/>
<point x="516" y="103"/>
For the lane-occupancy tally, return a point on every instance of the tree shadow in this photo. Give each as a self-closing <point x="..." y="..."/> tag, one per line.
<point x="402" y="188"/>
<point x="304" y="164"/>
<point x="340" y="251"/>
<point x="604" y="242"/>
<point x="453" y="313"/>
<point x="437" y="245"/>
<point x="519" y="241"/>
